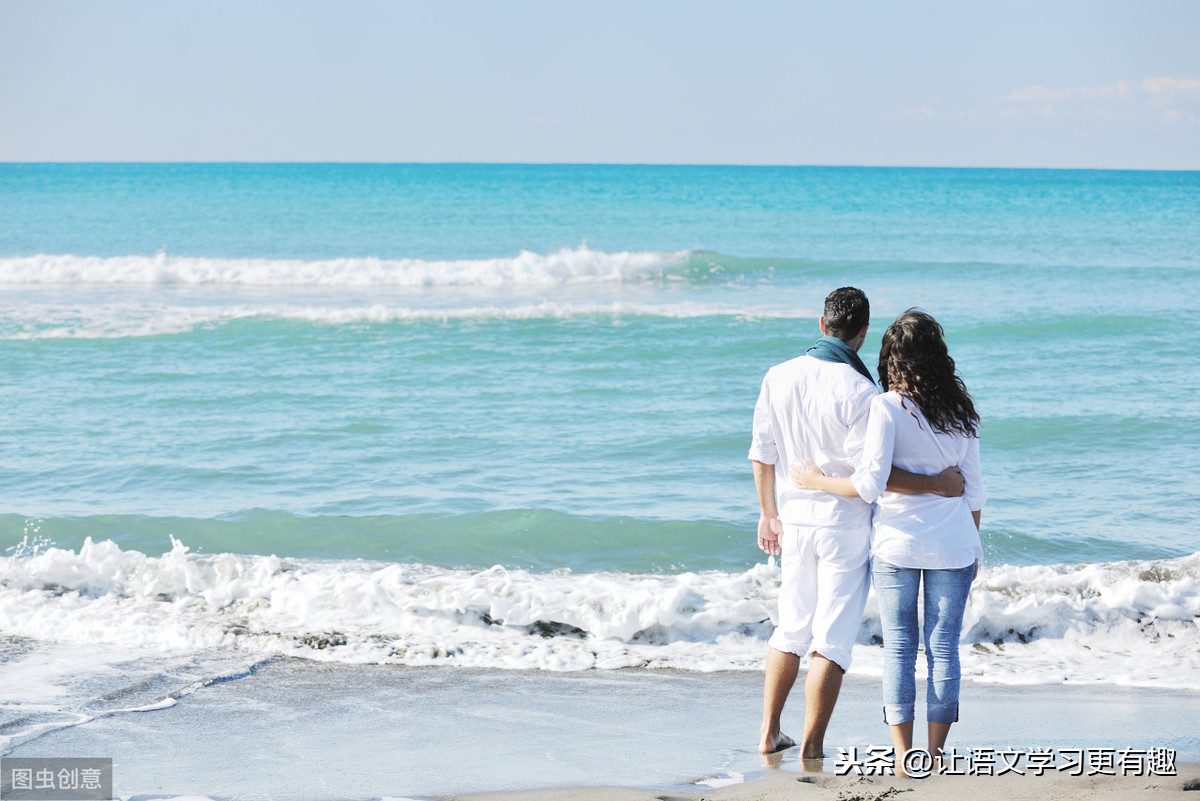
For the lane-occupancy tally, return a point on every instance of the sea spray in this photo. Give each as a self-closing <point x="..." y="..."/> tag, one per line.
<point x="563" y="267"/>
<point x="1126" y="622"/>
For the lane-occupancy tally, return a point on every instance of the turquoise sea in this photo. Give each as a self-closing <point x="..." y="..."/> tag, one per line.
<point x="497" y="415"/>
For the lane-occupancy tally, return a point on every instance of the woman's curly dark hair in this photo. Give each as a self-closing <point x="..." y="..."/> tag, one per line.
<point x="914" y="362"/>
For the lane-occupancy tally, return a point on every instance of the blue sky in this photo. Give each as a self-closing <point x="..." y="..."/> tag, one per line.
<point x="971" y="83"/>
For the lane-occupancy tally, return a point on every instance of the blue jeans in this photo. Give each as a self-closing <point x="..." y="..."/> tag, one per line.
<point x="945" y="599"/>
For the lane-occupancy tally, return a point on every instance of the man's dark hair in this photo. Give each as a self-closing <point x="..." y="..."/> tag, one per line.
<point x="846" y="312"/>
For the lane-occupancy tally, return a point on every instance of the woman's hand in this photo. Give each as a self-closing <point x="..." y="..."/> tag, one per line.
<point x="805" y="475"/>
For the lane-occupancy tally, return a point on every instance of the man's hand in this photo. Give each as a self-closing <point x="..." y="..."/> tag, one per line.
<point x="950" y="482"/>
<point x="770" y="529"/>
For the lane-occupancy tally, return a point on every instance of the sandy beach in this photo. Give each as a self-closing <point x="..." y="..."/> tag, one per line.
<point x="786" y="784"/>
<point x="303" y="730"/>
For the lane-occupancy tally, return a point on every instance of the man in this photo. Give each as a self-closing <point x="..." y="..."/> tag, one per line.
<point x="814" y="408"/>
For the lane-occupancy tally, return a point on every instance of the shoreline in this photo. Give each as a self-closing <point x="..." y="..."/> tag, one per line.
<point x="301" y="729"/>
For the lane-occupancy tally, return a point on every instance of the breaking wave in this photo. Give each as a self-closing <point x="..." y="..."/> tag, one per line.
<point x="564" y="267"/>
<point x="1131" y="623"/>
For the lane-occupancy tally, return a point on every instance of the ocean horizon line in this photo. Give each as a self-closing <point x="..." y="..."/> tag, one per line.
<point x="625" y="164"/>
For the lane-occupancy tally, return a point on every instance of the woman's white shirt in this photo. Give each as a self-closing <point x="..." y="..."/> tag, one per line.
<point x="918" y="531"/>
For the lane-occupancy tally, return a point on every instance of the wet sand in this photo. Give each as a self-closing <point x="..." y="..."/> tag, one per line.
<point x="301" y="730"/>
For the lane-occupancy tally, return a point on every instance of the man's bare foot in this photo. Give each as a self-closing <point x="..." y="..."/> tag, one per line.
<point x="772" y="745"/>
<point x="810" y="751"/>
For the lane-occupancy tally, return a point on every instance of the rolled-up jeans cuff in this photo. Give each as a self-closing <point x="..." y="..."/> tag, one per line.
<point x="895" y="714"/>
<point x="942" y="713"/>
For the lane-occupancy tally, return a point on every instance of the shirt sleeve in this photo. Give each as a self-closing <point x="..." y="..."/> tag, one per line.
<point x="973" y="490"/>
<point x="856" y="431"/>
<point x="875" y="463"/>
<point x="762" y="440"/>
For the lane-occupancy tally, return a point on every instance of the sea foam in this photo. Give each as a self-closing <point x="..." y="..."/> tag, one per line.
<point x="131" y="319"/>
<point x="579" y="265"/>
<point x="90" y="297"/>
<point x="1124" y="622"/>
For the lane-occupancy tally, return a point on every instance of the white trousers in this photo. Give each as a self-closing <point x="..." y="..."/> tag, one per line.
<point x="823" y="591"/>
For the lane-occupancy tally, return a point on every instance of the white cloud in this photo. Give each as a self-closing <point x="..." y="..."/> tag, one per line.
<point x="1155" y="101"/>
<point x="1125" y="90"/>
<point x="1040" y="94"/>
<point x="917" y="113"/>
<point x="1159" y="86"/>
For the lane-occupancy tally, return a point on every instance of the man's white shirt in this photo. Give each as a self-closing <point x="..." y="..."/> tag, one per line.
<point x="815" y="410"/>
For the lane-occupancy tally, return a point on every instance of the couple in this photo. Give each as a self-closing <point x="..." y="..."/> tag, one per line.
<point x="826" y="446"/>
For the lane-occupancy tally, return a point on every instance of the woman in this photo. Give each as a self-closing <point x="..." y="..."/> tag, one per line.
<point x="924" y="422"/>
